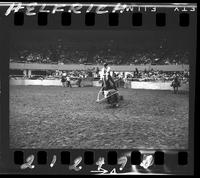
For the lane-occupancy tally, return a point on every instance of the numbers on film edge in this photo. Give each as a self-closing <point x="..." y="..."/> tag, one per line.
<point x="146" y="162"/>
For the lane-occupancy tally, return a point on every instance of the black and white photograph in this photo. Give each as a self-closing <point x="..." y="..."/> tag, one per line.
<point x="99" y="89"/>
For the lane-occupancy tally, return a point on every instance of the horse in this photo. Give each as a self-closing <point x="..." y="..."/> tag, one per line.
<point x="175" y="84"/>
<point x="110" y="92"/>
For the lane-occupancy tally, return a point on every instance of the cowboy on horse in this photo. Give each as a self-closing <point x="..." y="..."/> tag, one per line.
<point x="109" y="89"/>
<point x="176" y="83"/>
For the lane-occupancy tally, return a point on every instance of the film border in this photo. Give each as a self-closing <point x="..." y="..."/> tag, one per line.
<point x="7" y="154"/>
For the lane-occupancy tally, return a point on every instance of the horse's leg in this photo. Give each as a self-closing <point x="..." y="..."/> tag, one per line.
<point x="117" y="97"/>
<point x="175" y="90"/>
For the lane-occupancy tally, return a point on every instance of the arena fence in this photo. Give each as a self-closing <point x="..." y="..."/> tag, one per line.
<point x="156" y="86"/>
<point x="89" y="83"/>
<point x="54" y="82"/>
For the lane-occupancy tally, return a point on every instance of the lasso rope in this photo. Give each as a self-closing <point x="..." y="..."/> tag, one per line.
<point x="102" y="91"/>
<point x="105" y="97"/>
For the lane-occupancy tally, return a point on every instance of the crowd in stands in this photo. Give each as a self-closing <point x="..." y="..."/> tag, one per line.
<point x="136" y="75"/>
<point x="112" y="55"/>
<point x="157" y="75"/>
<point x="146" y="75"/>
<point x="99" y="56"/>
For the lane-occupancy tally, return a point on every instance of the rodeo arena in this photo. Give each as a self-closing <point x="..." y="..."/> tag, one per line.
<point x="100" y="98"/>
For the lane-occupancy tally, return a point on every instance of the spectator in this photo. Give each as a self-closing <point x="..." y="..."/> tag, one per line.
<point x="68" y="81"/>
<point x="63" y="79"/>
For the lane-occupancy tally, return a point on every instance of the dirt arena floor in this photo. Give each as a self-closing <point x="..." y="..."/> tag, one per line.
<point x="56" y="117"/>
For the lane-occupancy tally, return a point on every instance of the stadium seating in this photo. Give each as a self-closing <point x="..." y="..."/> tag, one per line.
<point x="120" y="57"/>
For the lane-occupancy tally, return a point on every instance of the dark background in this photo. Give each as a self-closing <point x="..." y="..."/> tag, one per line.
<point x="86" y="38"/>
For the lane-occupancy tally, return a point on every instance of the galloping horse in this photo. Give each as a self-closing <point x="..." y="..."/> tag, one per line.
<point x="175" y="84"/>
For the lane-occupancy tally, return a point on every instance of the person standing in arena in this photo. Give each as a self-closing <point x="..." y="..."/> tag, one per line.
<point x="79" y="81"/>
<point x="63" y="79"/>
<point x="176" y="80"/>
<point x="68" y="81"/>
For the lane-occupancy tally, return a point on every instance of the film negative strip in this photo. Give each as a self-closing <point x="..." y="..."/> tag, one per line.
<point x="98" y="88"/>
